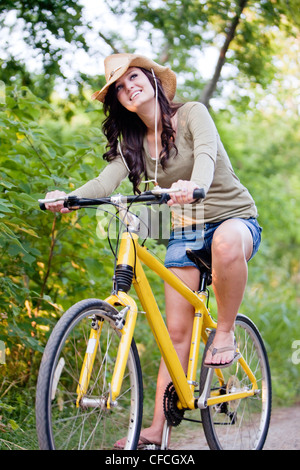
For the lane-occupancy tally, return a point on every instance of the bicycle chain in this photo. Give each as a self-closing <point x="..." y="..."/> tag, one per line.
<point x="173" y="415"/>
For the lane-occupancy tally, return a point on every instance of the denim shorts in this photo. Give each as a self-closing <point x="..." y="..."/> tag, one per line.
<point x="200" y="238"/>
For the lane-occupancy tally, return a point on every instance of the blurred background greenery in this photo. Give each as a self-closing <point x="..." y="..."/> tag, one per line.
<point x="241" y="59"/>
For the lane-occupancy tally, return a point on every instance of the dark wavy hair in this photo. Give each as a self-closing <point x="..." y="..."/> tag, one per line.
<point x="126" y="126"/>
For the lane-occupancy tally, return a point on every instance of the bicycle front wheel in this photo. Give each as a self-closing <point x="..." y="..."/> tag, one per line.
<point x="239" y="424"/>
<point x="61" y="423"/>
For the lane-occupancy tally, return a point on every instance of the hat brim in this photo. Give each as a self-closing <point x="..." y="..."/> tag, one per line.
<point x="165" y="74"/>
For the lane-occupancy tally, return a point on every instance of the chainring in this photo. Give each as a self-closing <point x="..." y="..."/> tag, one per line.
<point x="173" y="414"/>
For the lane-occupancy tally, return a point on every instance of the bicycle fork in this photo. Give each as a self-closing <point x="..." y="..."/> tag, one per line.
<point x="88" y="363"/>
<point x="126" y="327"/>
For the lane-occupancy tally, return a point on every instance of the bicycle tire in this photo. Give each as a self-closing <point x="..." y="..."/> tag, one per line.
<point x="240" y="424"/>
<point x="60" y="423"/>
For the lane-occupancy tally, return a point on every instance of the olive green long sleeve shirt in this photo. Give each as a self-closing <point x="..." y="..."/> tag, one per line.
<point x="201" y="158"/>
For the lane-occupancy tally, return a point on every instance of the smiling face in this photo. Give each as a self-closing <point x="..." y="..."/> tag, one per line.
<point x="134" y="89"/>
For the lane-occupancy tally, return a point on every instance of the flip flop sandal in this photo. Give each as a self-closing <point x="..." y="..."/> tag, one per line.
<point x="215" y="351"/>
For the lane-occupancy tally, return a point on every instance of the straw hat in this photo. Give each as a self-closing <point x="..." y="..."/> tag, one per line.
<point x="117" y="64"/>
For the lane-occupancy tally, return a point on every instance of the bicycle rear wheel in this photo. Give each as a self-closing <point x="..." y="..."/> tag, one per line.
<point x="91" y="425"/>
<point x="240" y="424"/>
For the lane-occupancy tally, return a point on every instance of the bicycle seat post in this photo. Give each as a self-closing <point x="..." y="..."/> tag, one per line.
<point x="203" y="282"/>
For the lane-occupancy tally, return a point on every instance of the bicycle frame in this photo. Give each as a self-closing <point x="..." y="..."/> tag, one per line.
<point x="132" y="254"/>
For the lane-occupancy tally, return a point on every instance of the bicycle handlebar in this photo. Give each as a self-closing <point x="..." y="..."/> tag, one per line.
<point x="156" y="196"/>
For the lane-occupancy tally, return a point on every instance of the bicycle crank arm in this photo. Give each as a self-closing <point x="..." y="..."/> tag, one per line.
<point x="202" y="400"/>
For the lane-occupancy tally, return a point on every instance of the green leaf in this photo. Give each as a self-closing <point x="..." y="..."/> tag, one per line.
<point x="4" y="208"/>
<point x="13" y="424"/>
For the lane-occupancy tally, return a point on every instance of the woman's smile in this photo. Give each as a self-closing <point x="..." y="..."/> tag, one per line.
<point x="135" y="94"/>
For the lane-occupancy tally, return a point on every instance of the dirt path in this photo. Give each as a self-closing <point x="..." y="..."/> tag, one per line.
<point x="284" y="433"/>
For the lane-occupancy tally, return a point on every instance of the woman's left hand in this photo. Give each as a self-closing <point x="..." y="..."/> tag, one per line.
<point x="185" y="195"/>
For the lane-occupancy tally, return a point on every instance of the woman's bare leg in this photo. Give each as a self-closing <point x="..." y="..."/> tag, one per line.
<point x="180" y="316"/>
<point x="231" y="248"/>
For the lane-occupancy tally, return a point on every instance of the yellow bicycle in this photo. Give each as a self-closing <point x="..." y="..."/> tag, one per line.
<point x="90" y="389"/>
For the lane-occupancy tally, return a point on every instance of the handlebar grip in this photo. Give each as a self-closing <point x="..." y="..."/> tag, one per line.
<point x="199" y="193"/>
<point x="70" y="200"/>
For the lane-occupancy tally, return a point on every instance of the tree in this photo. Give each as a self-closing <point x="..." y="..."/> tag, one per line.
<point x="229" y="36"/>
<point x="48" y="28"/>
<point x="242" y="30"/>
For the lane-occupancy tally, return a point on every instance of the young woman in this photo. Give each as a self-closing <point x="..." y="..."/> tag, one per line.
<point x="177" y="146"/>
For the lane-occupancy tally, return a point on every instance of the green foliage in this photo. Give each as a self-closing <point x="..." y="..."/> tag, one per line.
<point x="180" y="31"/>
<point x="264" y="151"/>
<point x="48" y="28"/>
<point x="48" y="252"/>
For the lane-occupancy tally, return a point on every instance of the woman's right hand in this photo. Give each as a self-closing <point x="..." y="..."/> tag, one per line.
<point x="57" y="206"/>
